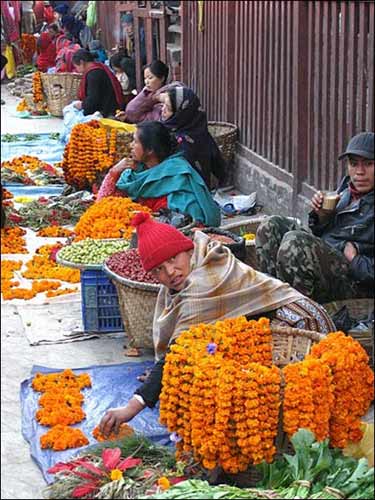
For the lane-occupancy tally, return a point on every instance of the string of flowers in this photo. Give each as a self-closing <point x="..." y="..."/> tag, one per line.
<point x="88" y="152"/>
<point x="108" y="218"/>
<point x="37" y="87"/>
<point x="221" y="404"/>
<point x="308" y="398"/>
<point x="55" y="232"/>
<point x="60" y="403"/>
<point x="353" y="385"/>
<point x="28" y="47"/>
<point x="23" y="106"/>
<point x="124" y="431"/>
<point x="13" y="241"/>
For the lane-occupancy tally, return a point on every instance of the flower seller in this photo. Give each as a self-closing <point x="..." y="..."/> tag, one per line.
<point x="334" y="258"/>
<point x="99" y="88"/>
<point x="202" y="282"/>
<point x="159" y="178"/>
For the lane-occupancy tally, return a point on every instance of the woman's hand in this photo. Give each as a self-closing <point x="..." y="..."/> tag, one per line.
<point x="122" y="165"/>
<point x="117" y="416"/>
<point x="317" y="201"/>
<point x="78" y="104"/>
<point x="350" y="251"/>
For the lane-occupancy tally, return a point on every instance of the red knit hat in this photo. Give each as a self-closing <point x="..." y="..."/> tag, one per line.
<point x="158" y="242"/>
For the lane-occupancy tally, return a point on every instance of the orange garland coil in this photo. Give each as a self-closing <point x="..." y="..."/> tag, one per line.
<point x="108" y="218"/>
<point x="37" y="88"/>
<point x="13" y="241"/>
<point x="124" y="431"/>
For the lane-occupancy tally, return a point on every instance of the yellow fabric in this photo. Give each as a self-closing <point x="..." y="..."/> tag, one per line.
<point x="365" y="448"/>
<point x="108" y="123"/>
<point x="10" y="68"/>
<point x="219" y="286"/>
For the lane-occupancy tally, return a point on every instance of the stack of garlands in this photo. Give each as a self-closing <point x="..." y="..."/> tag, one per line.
<point x="25" y="165"/>
<point x="23" y="106"/>
<point x="88" y="153"/>
<point x="55" y="232"/>
<point x="221" y="394"/>
<point x="108" y="218"/>
<point x="28" y="47"/>
<point x="61" y="406"/>
<point x="37" y="88"/>
<point x="12" y="240"/>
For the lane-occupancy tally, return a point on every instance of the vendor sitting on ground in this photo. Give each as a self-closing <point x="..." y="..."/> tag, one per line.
<point x="203" y="282"/>
<point x="146" y="105"/>
<point x="46" y="48"/>
<point x="158" y="178"/>
<point x="335" y="261"/>
<point x="99" y="89"/>
<point x="181" y="113"/>
<point x="124" y="68"/>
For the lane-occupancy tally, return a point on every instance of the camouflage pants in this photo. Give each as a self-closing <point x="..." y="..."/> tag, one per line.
<point x="294" y="255"/>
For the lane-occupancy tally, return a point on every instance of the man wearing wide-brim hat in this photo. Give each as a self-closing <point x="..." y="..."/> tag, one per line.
<point x="334" y="258"/>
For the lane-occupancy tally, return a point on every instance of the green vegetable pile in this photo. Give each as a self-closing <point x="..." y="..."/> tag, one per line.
<point x="90" y="251"/>
<point x="10" y="138"/>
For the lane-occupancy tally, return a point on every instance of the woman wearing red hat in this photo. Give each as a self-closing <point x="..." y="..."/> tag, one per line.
<point x="202" y="282"/>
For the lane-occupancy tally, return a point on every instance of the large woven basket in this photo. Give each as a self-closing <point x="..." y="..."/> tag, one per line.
<point x="60" y="90"/>
<point x="359" y="309"/>
<point x="225" y="135"/>
<point x="137" y="305"/>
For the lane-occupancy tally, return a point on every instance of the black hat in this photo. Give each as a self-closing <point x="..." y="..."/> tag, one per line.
<point x="361" y="145"/>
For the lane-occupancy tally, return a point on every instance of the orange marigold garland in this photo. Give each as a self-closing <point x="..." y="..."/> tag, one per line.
<point x="308" y="397"/>
<point x="28" y="47"/>
<point x="55" y="232"/>
<point x="37" y="87"/>
<point x="207" y="379"/>
<point x="22" y="106"/>
<point x="88" y="153"/>
<point x="61" y="406"/>
<point x="353" y="385"/>
<point x="108" y="218"/>
<point x="12" y="240"/>
<point x="124" y="431"/>
<point x="42" y="266"/>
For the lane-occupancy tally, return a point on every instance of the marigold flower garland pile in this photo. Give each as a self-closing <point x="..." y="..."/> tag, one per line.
<point x="55" y="232"/>
<point x="224" y="407"/>
<point x="88" y="152"/>
<point x="108" y="218"/>
<point x="37" y="88"/>
<point x="353" y="382"/>
<point x="23" y="106"/>
<point x="60" y="407"/>
<point x="13" y="241"/>
<point x="28" y="47"/>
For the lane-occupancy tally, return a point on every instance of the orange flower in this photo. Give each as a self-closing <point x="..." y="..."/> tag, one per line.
<point x="28" y="47"/>
<point x="62" y="437"/>
<point x="55" y="232"/>
<point x="37" y="87"/>
<point x="12" y="241"/>
<point x="124" y="430"/>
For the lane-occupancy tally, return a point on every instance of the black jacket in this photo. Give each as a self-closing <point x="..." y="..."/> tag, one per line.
<point x="100" y="95"/>
<point x="352" y="222"/>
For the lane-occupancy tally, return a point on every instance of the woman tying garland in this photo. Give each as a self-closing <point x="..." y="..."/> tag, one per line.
<point x="181" y="113"/>
<point x="99" y="89"/>
<point x="159" y="178"/>
<point x="202" y="282"/>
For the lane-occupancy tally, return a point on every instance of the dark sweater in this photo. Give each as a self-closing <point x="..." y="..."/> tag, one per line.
<point x="100" y="94"/>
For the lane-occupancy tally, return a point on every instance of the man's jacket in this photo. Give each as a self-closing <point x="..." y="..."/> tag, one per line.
<point x="352" y="222"/>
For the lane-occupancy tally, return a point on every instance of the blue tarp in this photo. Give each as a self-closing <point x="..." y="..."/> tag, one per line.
<point x="46" y="149"/>
<point x="34" y="191"/>
<point x="112" y="386"/>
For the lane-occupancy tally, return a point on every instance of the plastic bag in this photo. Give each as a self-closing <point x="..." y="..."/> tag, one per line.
<point x="109" y="123"/>
<point x="365" y="448"/>
<point x="10" y="68"/>
<point x="72" y="116"/>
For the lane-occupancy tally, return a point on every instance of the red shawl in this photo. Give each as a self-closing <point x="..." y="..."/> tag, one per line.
<point x="115" y="83"/>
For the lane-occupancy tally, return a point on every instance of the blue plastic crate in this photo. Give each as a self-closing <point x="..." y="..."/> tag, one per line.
<point x="100" y="307"/>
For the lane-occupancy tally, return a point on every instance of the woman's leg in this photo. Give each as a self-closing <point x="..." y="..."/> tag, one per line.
<point x="268" y="239"/>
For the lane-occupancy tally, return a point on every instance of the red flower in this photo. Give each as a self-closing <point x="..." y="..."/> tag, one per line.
<point x="43" y="200"/>
<point x="15" y="218"/>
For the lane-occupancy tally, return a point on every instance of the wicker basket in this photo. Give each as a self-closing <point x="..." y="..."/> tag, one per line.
<point x="60" y="90"/>
<point x="225" y="135"/>
<point x="137" y="304"/>
<point x="123" y="144"/>
<point x="359" y="309"/>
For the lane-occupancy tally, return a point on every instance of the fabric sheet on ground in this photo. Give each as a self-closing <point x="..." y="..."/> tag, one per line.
<point x="46" y="149"/>
<point x="112" y="386"/>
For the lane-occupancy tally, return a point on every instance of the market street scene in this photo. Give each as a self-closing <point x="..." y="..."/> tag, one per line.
<point x="187" y="249"/>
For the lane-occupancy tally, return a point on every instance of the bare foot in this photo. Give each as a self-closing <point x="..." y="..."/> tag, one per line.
<point x="144" y="376"/>
<point x="132" y="352"/>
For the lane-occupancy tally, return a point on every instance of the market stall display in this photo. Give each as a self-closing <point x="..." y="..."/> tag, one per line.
<point x="29" y="170"/>
<point x="89" y="253"/>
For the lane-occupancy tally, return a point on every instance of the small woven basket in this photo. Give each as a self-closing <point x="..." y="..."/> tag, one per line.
<point x="123" y="144"/>
<point x="137" y="305"/>
<point x="60" y="90"/>
<point x="361" y="310"/>
<point x="225" y="135"/>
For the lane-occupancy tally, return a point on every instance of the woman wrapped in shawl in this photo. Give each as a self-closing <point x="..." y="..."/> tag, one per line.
<point x="181" y="113"/>
<point x="202" y="282"/>
<point x="158" y="178"/>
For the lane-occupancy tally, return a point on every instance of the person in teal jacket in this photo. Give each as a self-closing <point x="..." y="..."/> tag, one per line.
<point x="160" y="178"/>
